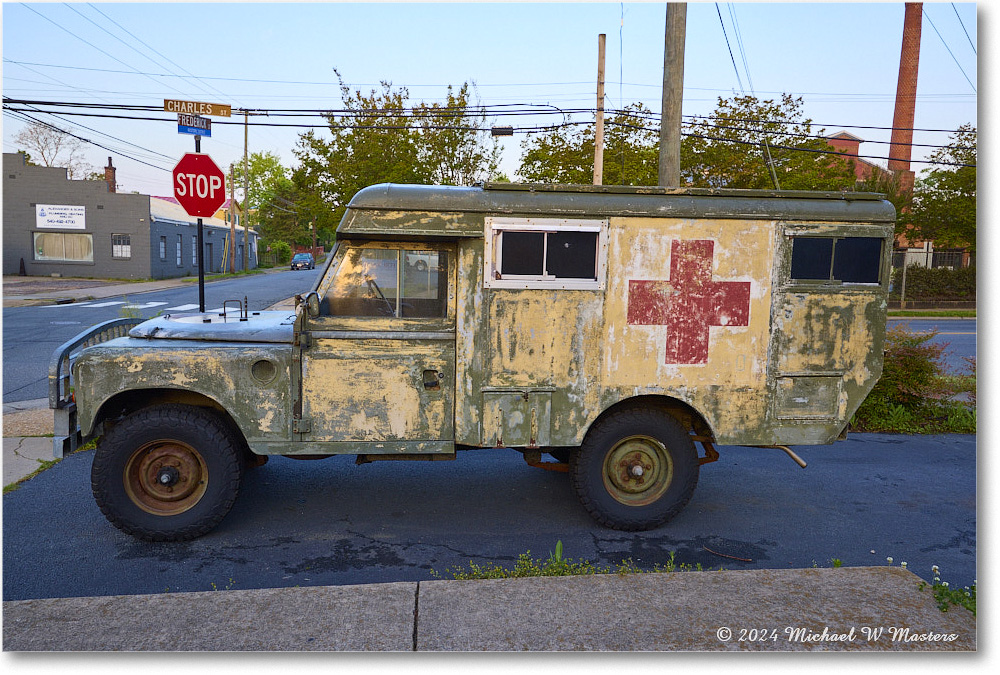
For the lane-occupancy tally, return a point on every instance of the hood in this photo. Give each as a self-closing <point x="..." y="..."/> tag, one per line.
<point x="257" y="327"/>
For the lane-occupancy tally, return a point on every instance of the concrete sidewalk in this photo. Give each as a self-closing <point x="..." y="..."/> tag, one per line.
<point x="845" y="609"/>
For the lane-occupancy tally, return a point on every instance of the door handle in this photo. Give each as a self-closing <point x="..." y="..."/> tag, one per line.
<point x="432" y="379"/>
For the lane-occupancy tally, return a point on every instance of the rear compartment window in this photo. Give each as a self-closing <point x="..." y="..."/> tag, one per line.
<point x="849" y="260"/>
<point x="545" y="253"/>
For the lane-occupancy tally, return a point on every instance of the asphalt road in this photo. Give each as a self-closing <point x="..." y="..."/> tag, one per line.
<point x="32" y="334"/>
<point x="958" y="334"/>
<point x="301" y="523"/>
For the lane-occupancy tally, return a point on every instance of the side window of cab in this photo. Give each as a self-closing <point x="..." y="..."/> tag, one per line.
<point x="389" y="282"/>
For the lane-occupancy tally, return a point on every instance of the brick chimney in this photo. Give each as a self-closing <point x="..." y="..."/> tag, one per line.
<point x="109" y="176"/>
<point x="901" y="149"/>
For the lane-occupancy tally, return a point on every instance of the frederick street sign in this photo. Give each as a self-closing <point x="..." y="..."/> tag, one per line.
<point x="194" y="124"/>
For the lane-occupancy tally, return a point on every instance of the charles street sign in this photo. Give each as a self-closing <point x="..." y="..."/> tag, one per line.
<point x="196" y="108"/>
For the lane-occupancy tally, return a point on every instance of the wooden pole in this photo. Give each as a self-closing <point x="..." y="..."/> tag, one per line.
<point x="673" y="90"/>
<point x="599" y="132"/>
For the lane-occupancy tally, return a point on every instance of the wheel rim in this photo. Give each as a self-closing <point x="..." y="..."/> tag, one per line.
<point x="637" y="470"/>
<point x="166" y="477"/>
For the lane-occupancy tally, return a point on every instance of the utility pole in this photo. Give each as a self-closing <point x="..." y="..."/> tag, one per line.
<point x="232" y="221"/>
<point x="673" y="90"/>
<point x="246" y="190"/>
<point x="599" y="132"/>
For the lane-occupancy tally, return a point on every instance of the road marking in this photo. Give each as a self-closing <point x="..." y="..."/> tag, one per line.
<point x="104" y="304"/>
<point x="148" y="305"/>
<point x="181" y="308"/>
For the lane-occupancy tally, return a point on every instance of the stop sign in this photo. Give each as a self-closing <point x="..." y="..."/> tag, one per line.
<point x="199" y="185"/>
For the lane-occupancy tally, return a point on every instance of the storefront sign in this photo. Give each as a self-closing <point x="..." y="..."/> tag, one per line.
<point x="60" y="217"/>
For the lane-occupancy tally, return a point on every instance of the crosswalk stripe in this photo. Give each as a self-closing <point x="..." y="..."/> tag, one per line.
<point x="147" y="305"/>
<point x="181" y="308"/>
<point x="106" y="304"/>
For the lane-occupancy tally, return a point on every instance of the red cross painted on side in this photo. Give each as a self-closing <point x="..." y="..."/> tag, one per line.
<point x="690" y="302"/>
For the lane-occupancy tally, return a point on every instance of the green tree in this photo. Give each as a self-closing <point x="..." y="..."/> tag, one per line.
<point x="888" y="183"/>
<point x="727" y="149"/>
<point x="372" y="142"/>
<point x="453" y="146"/>
<point x="565" y="154"/>
<point x="944" y="198"/>
<point x="264" y="172"/>
<point x="379" y="138"/>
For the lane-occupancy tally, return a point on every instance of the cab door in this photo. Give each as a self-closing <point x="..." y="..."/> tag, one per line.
<point x="378" y="364"/>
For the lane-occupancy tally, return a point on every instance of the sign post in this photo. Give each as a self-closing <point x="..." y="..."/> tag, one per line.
<point x="190" y="121"/>
<point x="199" y="187"/>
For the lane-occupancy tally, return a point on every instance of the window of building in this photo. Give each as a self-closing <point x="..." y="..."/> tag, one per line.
<point x="180" y="257"/>
<point x="194" y="250"/>
<point x="121" y="246"/>
<point x="545" y="253"/>
<point x="163" y="248"/>
<point x="849" y="260"/>
<point x="64" y="246"/>
<point x="390" y="283"/>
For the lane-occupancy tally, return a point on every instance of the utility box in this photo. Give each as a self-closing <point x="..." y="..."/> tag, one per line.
<point x="616" y="330"/>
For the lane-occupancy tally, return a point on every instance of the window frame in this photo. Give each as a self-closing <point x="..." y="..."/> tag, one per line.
<point x="496" y="227"/>
<point x="46" y="259"/>
<point x="342" y="250"/>
<point x="121" y="246"/>
<point x="835" y="238"/>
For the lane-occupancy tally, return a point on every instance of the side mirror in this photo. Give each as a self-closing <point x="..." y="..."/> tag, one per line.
<point x="312" y="304"/>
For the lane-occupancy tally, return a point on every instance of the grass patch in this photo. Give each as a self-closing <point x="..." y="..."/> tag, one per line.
<point x="555" y="566"/>
<point x="558" y="566"/>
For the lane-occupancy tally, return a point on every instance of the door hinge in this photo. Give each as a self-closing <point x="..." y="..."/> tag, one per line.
<point x="301" y="426"/>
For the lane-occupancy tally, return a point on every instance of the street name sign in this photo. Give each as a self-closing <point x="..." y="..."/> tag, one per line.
<point x="196" y="108"/>
<point x="199" y="185"/>
<point x="194" y="124"/>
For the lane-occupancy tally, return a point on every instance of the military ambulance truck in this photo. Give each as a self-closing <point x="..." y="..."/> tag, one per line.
<point x="617" y="334"/>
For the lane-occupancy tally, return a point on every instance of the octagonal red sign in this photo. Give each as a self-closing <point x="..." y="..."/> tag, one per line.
<point x="199" y="185"/>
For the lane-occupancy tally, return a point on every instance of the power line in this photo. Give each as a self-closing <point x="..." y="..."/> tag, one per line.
<point x="24" y="115"/>
<point x="962" y="23"/>
<point x="949" y="51"/>
<point x="66" y="30"/>
<point x="731" y="57"/>
<point x="400" y="127"/>
<point x="147" y="46"/>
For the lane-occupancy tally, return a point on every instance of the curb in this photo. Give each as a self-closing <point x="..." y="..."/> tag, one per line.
<point x="870" y="609"/>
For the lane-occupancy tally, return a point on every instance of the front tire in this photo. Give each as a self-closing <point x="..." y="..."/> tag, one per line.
<point x="167" y="473"/>
<point x="637" y="468"/>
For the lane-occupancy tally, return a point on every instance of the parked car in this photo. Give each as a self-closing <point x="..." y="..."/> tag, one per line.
<point x="303" y="261"/>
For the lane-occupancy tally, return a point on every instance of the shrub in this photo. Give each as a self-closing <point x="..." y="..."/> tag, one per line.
<point x="940" y="283"/>
<point x="914" y="395"/>
<point x="281" y="251"/>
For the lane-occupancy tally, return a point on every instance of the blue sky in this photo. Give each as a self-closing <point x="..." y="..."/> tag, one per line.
<point x="842" y="59"/>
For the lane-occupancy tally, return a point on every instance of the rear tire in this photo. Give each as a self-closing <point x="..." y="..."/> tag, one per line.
<point x="167" y="473"/>
<point x="637" y="468"/>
